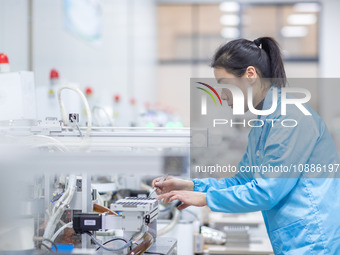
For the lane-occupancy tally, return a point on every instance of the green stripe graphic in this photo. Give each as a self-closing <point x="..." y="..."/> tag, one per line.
<point x="208" y="93"/>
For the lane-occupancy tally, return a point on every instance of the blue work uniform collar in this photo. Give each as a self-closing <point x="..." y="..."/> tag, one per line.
<point x="268" y="101"/>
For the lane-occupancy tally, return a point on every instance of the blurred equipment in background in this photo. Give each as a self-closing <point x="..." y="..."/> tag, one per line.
<point x="47" y="98"/>
<point x="17" y="97"/>
<point x="4" y="63"/>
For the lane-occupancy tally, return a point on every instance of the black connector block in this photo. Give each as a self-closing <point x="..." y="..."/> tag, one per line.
<point x="84" y="222"/>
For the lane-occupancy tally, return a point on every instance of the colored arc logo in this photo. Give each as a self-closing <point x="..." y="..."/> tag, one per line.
<point x="209" y="93"/>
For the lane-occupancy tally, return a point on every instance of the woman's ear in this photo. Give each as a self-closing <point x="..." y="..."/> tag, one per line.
<point x="251" y="75"/>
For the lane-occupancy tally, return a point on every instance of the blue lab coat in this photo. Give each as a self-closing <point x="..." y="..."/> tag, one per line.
<point x="302" y="214"/>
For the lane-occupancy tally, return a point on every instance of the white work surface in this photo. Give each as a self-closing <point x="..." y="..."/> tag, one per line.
<point x="257" y="246"/>
<point x="254" y="218"/>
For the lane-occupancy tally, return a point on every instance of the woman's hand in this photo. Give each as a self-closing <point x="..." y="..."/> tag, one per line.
<point x="187" y="198"/>
<point x="170" y="184"/>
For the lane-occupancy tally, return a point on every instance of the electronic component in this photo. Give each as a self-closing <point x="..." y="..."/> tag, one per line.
<point x="73" y="117"/>
<point x="138" y="204"/>
<point x="136" y="213"/>
<point x="135" y="204"/>
<point x="83" y="222"/>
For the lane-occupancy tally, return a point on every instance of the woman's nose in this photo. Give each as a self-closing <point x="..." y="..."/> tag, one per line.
<point x="224" y="96"/>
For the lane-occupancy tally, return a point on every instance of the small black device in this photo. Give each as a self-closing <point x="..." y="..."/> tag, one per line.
<point x="83" y="222"/>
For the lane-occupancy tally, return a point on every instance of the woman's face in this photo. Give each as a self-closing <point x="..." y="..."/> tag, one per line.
<point x="224" y="77"/>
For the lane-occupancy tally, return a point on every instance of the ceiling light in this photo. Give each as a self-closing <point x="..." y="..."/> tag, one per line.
<point x="229" y="7"/>
<point x="306" y="7"/>
<point x="301" y="19"/>
<point x="230" y="20"/>
<point x="294" y="31"/>
<point x="230" y="32"/>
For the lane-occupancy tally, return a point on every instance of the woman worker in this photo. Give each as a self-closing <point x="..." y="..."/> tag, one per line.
<point x="302" y="215"/>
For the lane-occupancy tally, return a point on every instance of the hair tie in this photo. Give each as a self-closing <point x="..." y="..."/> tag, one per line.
<point x="257" y="42"/>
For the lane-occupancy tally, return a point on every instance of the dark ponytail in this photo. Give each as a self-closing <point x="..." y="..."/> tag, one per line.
<point x="263" y="53"/>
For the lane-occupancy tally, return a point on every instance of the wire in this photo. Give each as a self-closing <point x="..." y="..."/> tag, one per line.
<point x="139" y="236"/>
<point x="156" y="253"/>
<point x="80" y="134"/>
<point x="169" y="207"/>
<point x="51" y="242"/>
<point x="112" y="240"/>
<point x="87" y="109"/>
<point x="59" y="207"/>
<point x="74" y="120"/>
<point x="68" y="225"/>
<point x="192" y="213"/>
<point x="172" y="224"/>
<point x="48" y="248"/>
<point x="143" y="246"/>
<point x="95" y="110"/>
<point x="128" y="244"/>
<point x="49" y="141"/>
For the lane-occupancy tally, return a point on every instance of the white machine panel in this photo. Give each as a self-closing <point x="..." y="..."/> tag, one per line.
<point x="135" y="204"/>
<point x="17" y="96"/>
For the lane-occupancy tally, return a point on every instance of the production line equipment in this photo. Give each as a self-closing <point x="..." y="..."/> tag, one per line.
<point x="129" y="226"/>
<point x="137" y="219"/>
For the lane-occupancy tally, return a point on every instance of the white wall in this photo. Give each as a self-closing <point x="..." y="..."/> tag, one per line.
<point x="123" y="63"/>
<point x="14" y="32"/>
<point x="144" y="41"/>
<point x="329" y="61"/>
<point x="329" y="39"/>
